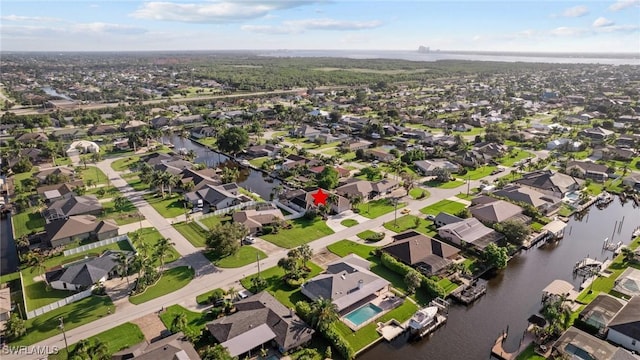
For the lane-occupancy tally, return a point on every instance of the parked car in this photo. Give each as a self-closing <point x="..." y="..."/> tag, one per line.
<point x="431" y="217"/>
<point x="243" y="294"/>
<point x="249" y="240"/>
<point x="405" y="211"/>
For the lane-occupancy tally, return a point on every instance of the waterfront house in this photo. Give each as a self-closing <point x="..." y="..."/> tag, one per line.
<point x="79" y="227"/>
<point x="632" y="180"/>
<point x="577" y="344"/>
<point x="624" y="328"/>
<point x="260" y="321"/>
<point x="427" y="167"/>
<point x="546" y="204"/>
<point x="74" y="205"/>
<point x="255" y="220"/>
<point x="599" y="312"/>
<point x="422" y="252"/>
<point x="174" y="347"/>
<point x="263" y="150"/>
<point x="84" y="273"/>
<point x="348" y="282"/>
<point x="497" y="211"/>
<point x="628" y="283"/>
<point x="470" y="232"/>
<point x="588" y="170"/>
<point x="550" y="182"/>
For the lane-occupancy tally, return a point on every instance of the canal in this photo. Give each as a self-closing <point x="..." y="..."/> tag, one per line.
<point x="514" y="293"/>
<point x="250" y="179"/>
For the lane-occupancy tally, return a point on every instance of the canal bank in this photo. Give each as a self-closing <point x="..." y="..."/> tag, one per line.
<point x="515" y="293"/>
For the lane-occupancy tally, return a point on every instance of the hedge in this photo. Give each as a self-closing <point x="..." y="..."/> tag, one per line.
<point x="303" y="309"/>
<point x="432" y="288"/>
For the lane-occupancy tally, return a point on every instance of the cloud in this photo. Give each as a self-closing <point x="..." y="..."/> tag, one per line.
<point x="82" y="29"/>
<point x="300" y="26"/>
<point x="218" y="11"/>
<point x="602" y="22"/>
<point x="567" y="31"/>
<point x="623" y="4"/>
<point x="17" y="18"/>
<point x="619" y="28"/>
<point x="576" y="11"/>
<point x="105" y="28"/>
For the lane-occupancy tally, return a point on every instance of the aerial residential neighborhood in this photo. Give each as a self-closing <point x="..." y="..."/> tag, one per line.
<point x="281" y="205"/>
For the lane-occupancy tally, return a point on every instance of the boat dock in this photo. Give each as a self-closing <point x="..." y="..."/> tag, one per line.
<point x="470" y="293"/>
<point x="439" y="321"/>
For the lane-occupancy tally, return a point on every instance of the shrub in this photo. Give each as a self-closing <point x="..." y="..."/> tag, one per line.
<point x="432" y="288"/>
<point x="375" y="237"/>
<point x="303" y="309"/>
<point x="267" y="230"/>
<point x="294" y="283"/>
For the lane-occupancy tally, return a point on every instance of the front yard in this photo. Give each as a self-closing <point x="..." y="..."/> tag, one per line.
<point x="408" y="222"/>
<point x="151" y="236"/>
<point x="444" y="185"/>
<point x="301" y="232"/>
<point x="246" y="255"/>
<point x="195" y="321"/>
<point x="123" y="164"/>
<point x="127" y="215"/>
<point x="192" y="232"/>
<point x="115" y="339"/>
<point x="169" y="207"/>
<point x="478" y="173"/>
<point x="518" y="155"/>
<point x="448" y="206"/>
<point x="91" y="173"/>
<point x="170" y="281"/>
<point x="375" y="208"/>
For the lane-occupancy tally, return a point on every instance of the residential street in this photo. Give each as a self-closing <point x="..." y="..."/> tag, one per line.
<point x="208" y="276"/>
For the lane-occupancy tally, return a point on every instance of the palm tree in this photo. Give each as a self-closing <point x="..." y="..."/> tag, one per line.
<point x="179" y="322"/>
<point x="122" y="266"/>
<point x="305" y="253"/>
<point x="163" y="246"/>
<point x="100" y="351"/>
<point x="172" y="181"/>
<point x="324" y="313"/>
<point x="355" y="201"/>
<point x="232" y="293"/>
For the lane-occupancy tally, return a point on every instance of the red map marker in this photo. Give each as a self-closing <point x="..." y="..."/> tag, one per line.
<point x="320" y="197"/>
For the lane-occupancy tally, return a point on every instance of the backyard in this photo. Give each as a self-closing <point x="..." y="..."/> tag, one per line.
<point x="27" y="222"/>
<point x="448" y="206"/>
<point x="301" y="232"/>
<point x="170" y="281"/>
<point x="375" y="208"/>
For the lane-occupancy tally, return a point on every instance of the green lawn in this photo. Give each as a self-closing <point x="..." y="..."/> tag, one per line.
<point x="530" y="354"/>
<point x="366" y="234"/>
<point x="368" y="334"/>
<point x="517" y="156"/>
<point x="170" y="281"/>
<point x="446" y="185"/>
<point x="464" y="196"/>
<point x="565" y="210"/>
<point x="245" y="256"/>
<point x="27" y="222"/>
<point x="278" y="288"/>
<point x="123" y="164"/>
<point x="211" y="221"/>
<point x="169" y="207"/>
<point x="448" y="206"/>
<point x="203" y="299"/>
<point x="195" y="321"/>
<point x="301" y="232"/>
<point x="448" y="285"/>
<point x="9" y="277"/>
<point x="375" y="208"/>
<point x="408" y="222"/>
<point x="192" y="232"/>
<point x="74" y="315"/>
<point x="478" y="173"/>
<point x="116" y="339"/>
<point x="92" y="173"/>
<point x="257" y="162"/>
<point x="349" y="222"/>
<point x="137" y="184"/>
<point x="416" y="193"/>
<point x="127" y="215"/>
<point x="151" y="236"/>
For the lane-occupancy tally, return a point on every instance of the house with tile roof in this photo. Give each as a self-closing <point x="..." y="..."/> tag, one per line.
<point x="85" y="273"/>
<point x="75" y="205"/>
<point x="624" y="328"/>
<point x="422" y="252"/>
<point x="79" y="227"/>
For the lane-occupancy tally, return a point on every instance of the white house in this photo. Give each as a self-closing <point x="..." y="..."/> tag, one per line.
<point x="82" y="147"/>
<point x="624" y="328"/>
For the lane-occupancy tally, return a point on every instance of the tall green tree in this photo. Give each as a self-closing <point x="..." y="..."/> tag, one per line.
<point x="412" y="280"/>
<point x="15" y="327"/>
<point x="496" y="256"/>
<point x="179" y="322"/>
<point x="323" y="313"/>
<point x="163" y="247"/>
<point x="233" y="140"/>
<point x="224" y="239"/>
<point x="516" y="232"/>
<point x="328" y="178"/>
<point x="217" y="352"/>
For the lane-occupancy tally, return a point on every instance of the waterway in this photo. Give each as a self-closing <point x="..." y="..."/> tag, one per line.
<point x="515" y="293"/>
<point x="250" y="179"/>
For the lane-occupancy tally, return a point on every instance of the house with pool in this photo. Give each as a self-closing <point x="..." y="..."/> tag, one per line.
<point x="359" y="295"/>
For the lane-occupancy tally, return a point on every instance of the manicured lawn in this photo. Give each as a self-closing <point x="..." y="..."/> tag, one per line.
<point x="448" y="206"/>
<point x="365" y="336"/>
<point x="192" y="232"/>
<point x="74" y="315"/>
<point x="478" y="173"/>
<point x="9" y="277"/>
<point x="137" y="184"/>
<point x="373" y="209"/>
<point x="151" y="236"/>
<point x="595" y="188"/>
<point x="124" y="163"/>
<point x="464" y="196"/>
<point x="565" y="210"/>
<point x="92" y="173"/>
<point x="27" y="222"/>
<point x="517" y="156"/>
<point x="127" y="215"/>
<point x="278" y="288"/>
<point x="349" y="222"/>
<point x="447" y="285"/>
<point x="212" y="221"/>
<point x="169" y="207"/>
<point x="301" y="232"/>
<point x="257" y="162"/>
<point x="195" y="321"/>
<point x="417" y="193"/>
<point x="116" y="339"/>
<point x="536" y="226"/>
<point x="530" y="354"/>
<point x="446" y="185"/>
<point x="203" y="298"/>
<point x="170" y="281"/>
<point x="246" y="255"/>
<point x="408" y="222"/>
<point x="366" y="234"/>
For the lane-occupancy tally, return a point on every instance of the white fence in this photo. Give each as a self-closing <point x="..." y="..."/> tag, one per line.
<point x="62" y="302"/>
<point x="98" y="244"/>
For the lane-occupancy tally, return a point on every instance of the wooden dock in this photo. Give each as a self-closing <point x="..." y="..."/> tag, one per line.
<point x="470" y="293"/>
<point x="419" y="334"/>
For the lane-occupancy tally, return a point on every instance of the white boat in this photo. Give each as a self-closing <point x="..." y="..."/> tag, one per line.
<point x="423" y="318"/>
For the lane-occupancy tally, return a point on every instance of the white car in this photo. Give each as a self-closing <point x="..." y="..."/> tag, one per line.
<point x="431" y="217"/>
<point x="243" y="294"/>
<point x="250" y="240"/>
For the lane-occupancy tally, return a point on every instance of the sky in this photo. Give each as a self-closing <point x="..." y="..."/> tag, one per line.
<point x="472" y="25"/>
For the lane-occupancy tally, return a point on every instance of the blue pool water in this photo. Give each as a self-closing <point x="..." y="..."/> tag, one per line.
<point x="360" y="315"/>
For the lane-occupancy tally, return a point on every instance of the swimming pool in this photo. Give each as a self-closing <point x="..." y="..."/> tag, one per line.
<point x="573" y="196"/>
<point x="362" y="314"/>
